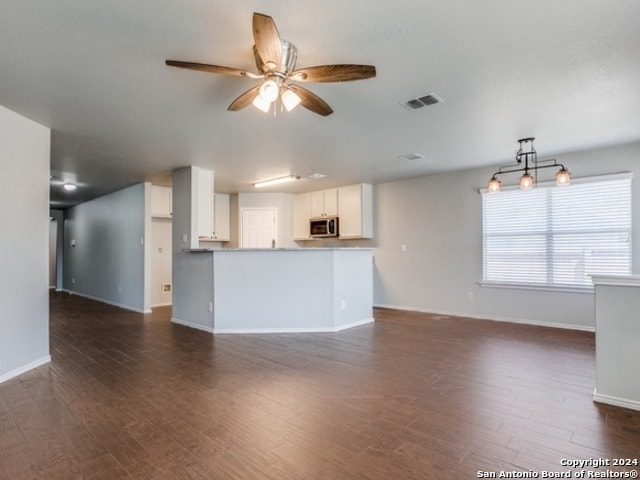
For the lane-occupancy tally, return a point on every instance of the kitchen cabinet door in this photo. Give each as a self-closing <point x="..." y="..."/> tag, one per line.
<point x="324" y="203"/>
<point x="331" y="202"/>
<point x="160" y="201"/>
<point x="356" y="211"/>
<point x="222" y="231"/>
<point x="301" y="216"/>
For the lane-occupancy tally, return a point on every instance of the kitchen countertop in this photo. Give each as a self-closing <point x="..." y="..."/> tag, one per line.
<point x="308" y="249"/>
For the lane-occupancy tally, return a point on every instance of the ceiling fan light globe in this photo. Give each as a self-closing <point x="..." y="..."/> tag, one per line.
<point x="269" y="91"/>
<point x="290" y="99"/>
<point x="261" y="104"/>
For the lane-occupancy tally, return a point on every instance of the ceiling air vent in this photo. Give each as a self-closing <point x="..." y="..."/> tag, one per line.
<point x="422" y="101"/>
<point x="411" y="156"/>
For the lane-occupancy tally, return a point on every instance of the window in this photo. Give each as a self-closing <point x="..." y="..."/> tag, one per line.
<point x="558" y="237"/>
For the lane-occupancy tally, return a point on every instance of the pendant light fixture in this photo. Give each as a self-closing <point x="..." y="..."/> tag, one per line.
<point x="527" y="156"/>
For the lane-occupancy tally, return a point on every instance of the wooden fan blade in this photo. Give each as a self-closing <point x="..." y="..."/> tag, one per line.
<point x="203" y="67"/>
<point x="267" y="39"/>
<point x="245" y="99"/>
<point x="333" y="73"/>
<point x="311" y="101"/>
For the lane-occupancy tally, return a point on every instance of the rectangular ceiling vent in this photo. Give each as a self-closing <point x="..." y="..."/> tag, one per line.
<point x="421" y="101"/>
<point x="411" y="156"/>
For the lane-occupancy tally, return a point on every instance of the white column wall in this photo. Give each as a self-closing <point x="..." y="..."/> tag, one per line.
<point x="24" y="244"/>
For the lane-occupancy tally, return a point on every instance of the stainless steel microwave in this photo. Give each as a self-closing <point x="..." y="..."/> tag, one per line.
<point x="323" y="227"/>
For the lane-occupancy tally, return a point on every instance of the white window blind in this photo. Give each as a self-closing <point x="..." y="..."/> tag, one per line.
<point x="553" y="236"/>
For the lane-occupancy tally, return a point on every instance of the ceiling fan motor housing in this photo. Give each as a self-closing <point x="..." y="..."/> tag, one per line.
<point x="287" y="64"/>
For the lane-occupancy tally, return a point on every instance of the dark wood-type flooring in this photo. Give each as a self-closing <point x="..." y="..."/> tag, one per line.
<point x="412" y="396"/>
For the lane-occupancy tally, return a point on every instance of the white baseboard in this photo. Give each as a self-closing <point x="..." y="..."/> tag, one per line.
<point x="339" y="328"/>
<point x="616" y="401"/>
<point x="535" y="323"/>
<point x="192" y="325"/>
<point x="108" y="302"/>
<point x="294" y="329"/>
<point x="161" y="305"/>
<point x="25" y="368"/>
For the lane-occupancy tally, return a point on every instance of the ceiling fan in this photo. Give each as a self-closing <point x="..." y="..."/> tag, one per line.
<point x="276" y="62"/>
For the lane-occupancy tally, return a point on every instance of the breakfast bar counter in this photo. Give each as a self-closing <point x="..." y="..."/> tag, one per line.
<point x="276" y="290"/>
<point x="617" y="303"/>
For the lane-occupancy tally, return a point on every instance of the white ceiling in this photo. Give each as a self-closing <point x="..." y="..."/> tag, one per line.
<point x="566" y="72"/>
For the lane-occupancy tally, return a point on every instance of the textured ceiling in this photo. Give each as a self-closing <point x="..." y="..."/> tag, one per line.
<point x="565" y="72"/>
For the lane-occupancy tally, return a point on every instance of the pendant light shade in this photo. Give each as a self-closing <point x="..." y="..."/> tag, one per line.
<point x="526" y="182"/>
<point x="494" y="185"/>
<point x="563" y="177"/>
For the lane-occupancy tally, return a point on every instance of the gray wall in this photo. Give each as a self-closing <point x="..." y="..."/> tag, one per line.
<point x="107" y="262"/>
<point x="24" y="244"/>
<point x="439" y="219"/>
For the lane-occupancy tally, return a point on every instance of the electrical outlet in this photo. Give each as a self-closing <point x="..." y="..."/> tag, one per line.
<point x="119" y="288"/>
<point x="185" y="238"/>
<point x="343" y="304"/>
<point x="403" y="247"/>
<point x="469" y="296"/>
<point x="210" y="306"/>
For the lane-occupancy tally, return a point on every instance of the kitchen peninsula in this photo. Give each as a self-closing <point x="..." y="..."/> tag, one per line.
<point x="260" y="290"/>
<point x="275" y="290"/>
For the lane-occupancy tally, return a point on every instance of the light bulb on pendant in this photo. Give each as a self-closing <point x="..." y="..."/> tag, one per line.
<point x="526" y="182"/>
<point x="494" y="185"/>
<point x="563" y="177"/>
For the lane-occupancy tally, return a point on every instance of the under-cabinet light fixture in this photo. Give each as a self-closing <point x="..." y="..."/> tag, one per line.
<point x="275" y="181"/>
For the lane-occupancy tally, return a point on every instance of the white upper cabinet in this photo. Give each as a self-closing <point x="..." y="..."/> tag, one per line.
<point x="161" y="201"/>
<point x="356" y="211"/>
<point x="352" y="204"/>
<point x="301" y="216"/>
<point x="221" y="216"/>
<point x="324" y="203"/>
<point x="213" y="210"/>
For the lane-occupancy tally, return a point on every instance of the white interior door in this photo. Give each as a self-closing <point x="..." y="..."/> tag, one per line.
<point x="259" y="228"/>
